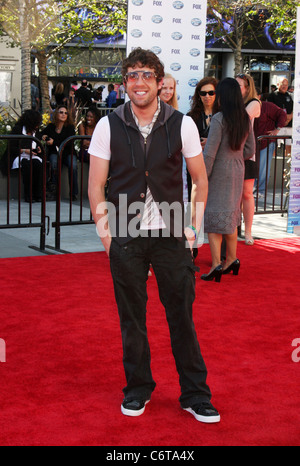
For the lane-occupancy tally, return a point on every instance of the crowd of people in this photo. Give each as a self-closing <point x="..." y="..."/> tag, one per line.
<point x="63" y="125"/>
<point x="83" y="96"/>
<point x="227" y="200"/>
<point x="269" y="114"/>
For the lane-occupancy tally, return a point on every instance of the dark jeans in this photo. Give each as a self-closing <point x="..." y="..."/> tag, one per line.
<point x="68" y="162"/>
<point x="175" y="273"/>
<point x="37" y="178"/>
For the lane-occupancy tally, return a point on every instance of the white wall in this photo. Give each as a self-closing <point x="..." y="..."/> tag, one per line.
<point x="10" y="76"/>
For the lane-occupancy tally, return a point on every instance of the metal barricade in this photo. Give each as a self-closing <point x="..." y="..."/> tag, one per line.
<point x="77" y="217"/>
<point x="274" y="198"/>
<point x="274" y="201"/>
<point x="77" y="212"/>
<point x="22" y="219"/>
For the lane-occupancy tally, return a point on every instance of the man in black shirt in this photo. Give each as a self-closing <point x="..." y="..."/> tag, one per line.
<point x="84" y="95"/>
<point x="283" y="99"/>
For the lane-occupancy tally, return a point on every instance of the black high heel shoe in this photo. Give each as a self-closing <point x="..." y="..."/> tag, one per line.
<point x="215" y="274"/>
<point x="234" y="267"/>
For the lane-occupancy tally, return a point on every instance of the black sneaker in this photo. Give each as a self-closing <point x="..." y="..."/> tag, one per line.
<point x="133" y="407"/>
<point x="204" y="412"/>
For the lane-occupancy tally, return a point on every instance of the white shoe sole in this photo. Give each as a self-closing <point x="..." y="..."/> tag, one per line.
<point x="205" y="419"/>
<point x="132" y="412"/>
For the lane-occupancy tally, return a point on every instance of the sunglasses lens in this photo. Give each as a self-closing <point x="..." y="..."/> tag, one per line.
<point x="146" y="75"/>
<point x="210" y="93"/>
<point x="132" y="76"/>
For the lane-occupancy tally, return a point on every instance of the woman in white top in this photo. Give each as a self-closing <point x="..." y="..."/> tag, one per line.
<point x="253" y="107"/>
<point x="27" y="155"/>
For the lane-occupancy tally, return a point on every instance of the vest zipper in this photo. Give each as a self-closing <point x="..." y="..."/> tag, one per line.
<point x="145" y="147"/>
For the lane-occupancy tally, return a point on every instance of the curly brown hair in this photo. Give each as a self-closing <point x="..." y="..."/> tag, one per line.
<point x="142" y="57"/>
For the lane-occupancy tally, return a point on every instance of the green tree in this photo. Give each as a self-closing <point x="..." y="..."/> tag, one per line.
<point x="233" y="24"/>
<point x="45" y="26"/>
<point x="282" y="18"/>
<point x="237" y="21"/>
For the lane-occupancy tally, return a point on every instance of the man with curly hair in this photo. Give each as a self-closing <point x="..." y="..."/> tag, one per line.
<point x="140" y="146"/>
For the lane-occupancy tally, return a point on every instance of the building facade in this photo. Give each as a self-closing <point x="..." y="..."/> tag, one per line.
<point x="10" y="77"/>
<point x="100" y="63"/>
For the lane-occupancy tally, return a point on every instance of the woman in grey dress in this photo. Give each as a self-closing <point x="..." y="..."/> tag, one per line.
<point x="229" y="144"/>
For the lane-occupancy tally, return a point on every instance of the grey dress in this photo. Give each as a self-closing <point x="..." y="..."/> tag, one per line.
<point x="225" y="171"/>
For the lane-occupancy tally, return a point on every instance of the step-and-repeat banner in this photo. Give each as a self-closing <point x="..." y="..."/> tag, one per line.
<point x="294" y="198"/>
<point x="175" y="31"/>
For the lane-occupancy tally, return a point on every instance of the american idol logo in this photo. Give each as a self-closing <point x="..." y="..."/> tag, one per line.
<point x="193" y="82"/>
<point x="178" y="5"/>
<point x="196" y="22"/>
<point x="195" y="52"/>
<point x="157" y="19"/>
<point x="137" y="2"/>
<point x="157" y="50"/>
<point x="176" y="35"/>
<point x="136" y="33"/>
<point x="175" y="66"/>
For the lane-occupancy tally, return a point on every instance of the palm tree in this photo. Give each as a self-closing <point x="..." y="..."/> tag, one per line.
<point x="25" y="57"/>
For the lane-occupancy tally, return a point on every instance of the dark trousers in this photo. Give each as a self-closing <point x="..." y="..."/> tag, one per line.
<point x="175" y="274"/>
<point x="37" y="178"/>
<point x="72" y="176"/>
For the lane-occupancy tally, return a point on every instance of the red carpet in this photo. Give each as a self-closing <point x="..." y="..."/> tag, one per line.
<point x="62" y="380"/>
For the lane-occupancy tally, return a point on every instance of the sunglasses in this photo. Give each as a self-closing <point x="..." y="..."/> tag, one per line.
<point x="134" y="76"/>
<point x="63" y="113"/>
<point x="204" y="93"/>
<point x="244" y="77"/>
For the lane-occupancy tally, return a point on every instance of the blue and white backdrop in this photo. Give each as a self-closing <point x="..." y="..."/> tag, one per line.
<point x="294" y="198"/>
<point x="175" y="31"/>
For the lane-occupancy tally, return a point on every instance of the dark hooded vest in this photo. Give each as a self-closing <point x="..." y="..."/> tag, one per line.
<point x="137" y="163"/>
